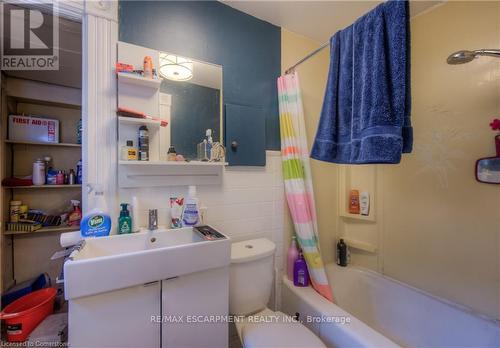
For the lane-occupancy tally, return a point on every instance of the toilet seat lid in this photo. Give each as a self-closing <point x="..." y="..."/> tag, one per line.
<point x="277" y="335"/>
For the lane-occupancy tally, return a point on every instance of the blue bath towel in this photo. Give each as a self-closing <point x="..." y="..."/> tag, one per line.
<point x="366" y="110"/>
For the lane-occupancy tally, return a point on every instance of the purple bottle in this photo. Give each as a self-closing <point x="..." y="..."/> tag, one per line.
<point x="300" y="273"/>
<point x="292" y="256"/>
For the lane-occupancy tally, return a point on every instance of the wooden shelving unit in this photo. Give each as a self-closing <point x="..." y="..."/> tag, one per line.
<point x="42" y="187"/>
<point x="52" y="229"/>
<point x="35" y="143"/>
<point x="26" y="254"/>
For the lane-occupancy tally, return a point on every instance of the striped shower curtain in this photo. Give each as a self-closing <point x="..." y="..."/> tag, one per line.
<point x="297" y="178"/>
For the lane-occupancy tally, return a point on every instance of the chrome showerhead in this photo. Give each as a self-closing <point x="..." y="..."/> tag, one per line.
<point x="465" y="56"/>
<point x="461" y="57"/>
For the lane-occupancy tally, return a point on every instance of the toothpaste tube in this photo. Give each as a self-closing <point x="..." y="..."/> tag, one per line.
<point x="176" y="206"/>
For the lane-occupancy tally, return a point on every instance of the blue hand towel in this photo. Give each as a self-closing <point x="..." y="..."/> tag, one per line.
<point x="366" y="109"/>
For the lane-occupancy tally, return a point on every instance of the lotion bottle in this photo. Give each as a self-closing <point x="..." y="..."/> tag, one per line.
<point x="191" y="212"/>
<point x="300" y="273"/>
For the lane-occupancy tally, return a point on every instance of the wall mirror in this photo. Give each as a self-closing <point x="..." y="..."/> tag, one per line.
<point x="195" y="92"/>
<point x="488" y="170"/>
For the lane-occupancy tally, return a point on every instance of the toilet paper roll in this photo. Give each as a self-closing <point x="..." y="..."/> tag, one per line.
<point x="70" y="238"/>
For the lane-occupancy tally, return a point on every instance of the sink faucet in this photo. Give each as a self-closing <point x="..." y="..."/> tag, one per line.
<point x="153" y="219"/>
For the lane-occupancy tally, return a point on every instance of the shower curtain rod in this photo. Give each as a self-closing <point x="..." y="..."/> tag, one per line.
<point x="290" y="69"/>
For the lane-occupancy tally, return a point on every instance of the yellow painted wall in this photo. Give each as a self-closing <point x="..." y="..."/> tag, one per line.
<point x="436" y="227"/>
<point x="312" y="76"/>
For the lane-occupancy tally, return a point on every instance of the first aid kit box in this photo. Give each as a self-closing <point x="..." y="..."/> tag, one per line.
<point x="36" y="129"/>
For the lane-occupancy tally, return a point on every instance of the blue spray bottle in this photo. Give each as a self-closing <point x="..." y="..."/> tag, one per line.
<point x="97" y="222"/>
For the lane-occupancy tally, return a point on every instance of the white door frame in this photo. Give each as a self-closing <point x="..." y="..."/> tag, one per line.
<point x="99" y="45"/>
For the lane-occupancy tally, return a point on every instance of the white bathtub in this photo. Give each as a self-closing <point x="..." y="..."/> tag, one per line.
<point x="385" y="313"/>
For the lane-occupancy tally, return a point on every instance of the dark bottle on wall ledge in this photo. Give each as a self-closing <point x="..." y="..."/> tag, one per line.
<point x="341" y="253"/>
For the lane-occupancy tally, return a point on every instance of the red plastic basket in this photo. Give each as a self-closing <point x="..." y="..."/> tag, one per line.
<point x="24" y="314"/>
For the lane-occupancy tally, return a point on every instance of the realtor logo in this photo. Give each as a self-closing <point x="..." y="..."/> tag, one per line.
<point x="29" y="37"/>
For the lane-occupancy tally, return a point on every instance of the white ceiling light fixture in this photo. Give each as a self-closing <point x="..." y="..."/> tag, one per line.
<point x="175" y="68"/>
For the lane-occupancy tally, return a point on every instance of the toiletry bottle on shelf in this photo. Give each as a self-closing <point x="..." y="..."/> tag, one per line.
<point x="96" y="223"/>
<point x="128" y="152"/>
<point x="60" y="178"/>
<point x="171" y="154"/>
<point x="124" y="221"/>
<point x="148" y="67"/>
<point x="71" y="177"/>
<point x="354" y="202"/>
<point x="300" y="273"/>
<point x="143" y="143"/>
<point x="79" y="130"/>
<point x="38" y="175"/>
<point x="51" y="176"/>
<point x="79" y="173"/>
<point x="202" y="151"/>
<point x="191" y="213"/>
<point x="292" y="255"/>
<point x="135" y="214"/>
<point x="75" y="217"/>
<point x="364" y="203"/>
<point x="341" y="253"/>
<point x="209" y="143"/>
<point x="176" y="207"/>
<point x="14" y="211"/>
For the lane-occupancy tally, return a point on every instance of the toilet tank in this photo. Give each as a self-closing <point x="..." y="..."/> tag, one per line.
<point x="250" y="275"/>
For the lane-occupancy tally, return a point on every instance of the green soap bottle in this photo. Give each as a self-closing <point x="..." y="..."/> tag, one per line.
<point x="124" y="221"/>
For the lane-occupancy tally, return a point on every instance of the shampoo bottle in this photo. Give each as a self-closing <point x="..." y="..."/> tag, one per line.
<point x="292" y="255"/>
<point x="341" y="253"/>
<point x="191" y="213"/>
<point x="300" y="273"/>
<point x="96" y="223"/>
<point x="124" y="221"/>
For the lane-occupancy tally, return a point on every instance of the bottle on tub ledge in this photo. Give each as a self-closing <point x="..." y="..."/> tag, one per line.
<point x="342" y="253"/>
<point x="300" y="272"/>
<point x="292" y="256"/>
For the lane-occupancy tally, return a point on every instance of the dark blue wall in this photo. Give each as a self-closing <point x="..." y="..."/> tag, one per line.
<point x="248" y="49"/>
<point x="194" y="110"/>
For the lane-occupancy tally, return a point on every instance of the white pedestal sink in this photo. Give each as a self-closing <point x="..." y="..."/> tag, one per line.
<point x="125" y="290"/>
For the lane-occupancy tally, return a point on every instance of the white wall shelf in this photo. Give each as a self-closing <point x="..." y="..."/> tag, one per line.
<point x="367" y="218"/>
<point x="138" y="121"/>
<point x="173" y="163"/>
<point x="356" y="244"/>
<point x="163" y="173"/>
<point x="134" y="79"/>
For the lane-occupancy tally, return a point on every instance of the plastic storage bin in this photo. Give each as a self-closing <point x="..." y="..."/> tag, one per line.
<point x="24" y="314"/>
<point x="25" y="288"/>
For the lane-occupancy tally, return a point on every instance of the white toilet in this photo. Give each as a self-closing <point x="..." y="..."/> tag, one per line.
<point x="250" y="284"/>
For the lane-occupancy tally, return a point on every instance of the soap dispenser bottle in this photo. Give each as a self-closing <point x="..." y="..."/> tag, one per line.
<point x="124" y="221"/>
<point x="191" y="213"/>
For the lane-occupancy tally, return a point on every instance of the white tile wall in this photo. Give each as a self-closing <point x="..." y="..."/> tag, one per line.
<point x="249" y="204"/>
